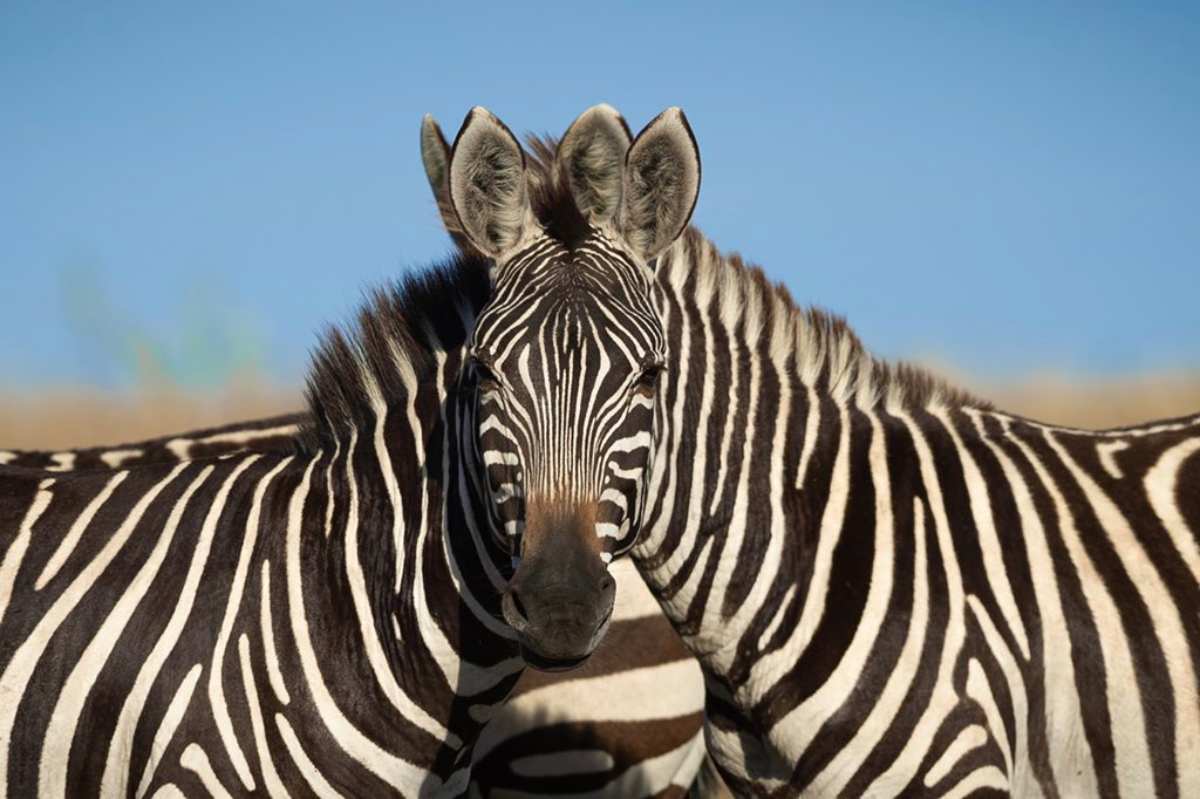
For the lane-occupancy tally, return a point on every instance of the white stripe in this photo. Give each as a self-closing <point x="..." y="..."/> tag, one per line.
<point x="114" y="458"/>
<point x="11" y="564"/>
<point x="771" y="666"/>
<point x="1073" y="767"/>
<point x="389" y="768"/>
<point x="980" y="503"/>
<point x="1166" y="626"/>
<point x="945" y="696"/>
<point x="216" y="672"/>
<point x="1108" y="456"/>
<point x="68" y="710"/>
<point x="63" y="462"/>
<point x="795" y="732"/>
<point x="1021" y="777"/>
<point x="113" y="783"/>
<point x="168" y="726"/>
<point x="71" y="539"/>
<point x="181" y="447"/>
<point x="274" y="676"/>
<point x="627" y="696"/>
<point x="271" y="779"/>
<point x="843" y="767"/>
<point x="360" y="594"/>
<point x="24" y="662"/>
<point x="811" y="426"/>
<point x="979" y="689"/>
<point x="1161" y="483"/>
<point x="308" y="770"/>
<point x="495" y="457"/>
<point x="968" y="739"/>
<point x="193" y="759"/>
<point x="985" y="777"/>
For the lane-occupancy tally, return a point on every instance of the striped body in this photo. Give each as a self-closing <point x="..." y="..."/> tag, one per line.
<point x="326" y="621"/>
<point x="611" y="728"/>
<point x="894" y="590"/>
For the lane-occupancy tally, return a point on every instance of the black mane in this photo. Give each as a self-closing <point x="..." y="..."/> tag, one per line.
<point x="412" y="318"/>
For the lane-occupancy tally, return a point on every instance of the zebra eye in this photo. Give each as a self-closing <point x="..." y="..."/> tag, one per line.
<point x="485" y="378"/>
<point x="648" y="378"/>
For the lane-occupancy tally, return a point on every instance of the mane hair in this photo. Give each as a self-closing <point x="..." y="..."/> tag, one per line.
<point x="398" y="332"/>
<point x="550" y="192"/>
<point x="828" y="354"/>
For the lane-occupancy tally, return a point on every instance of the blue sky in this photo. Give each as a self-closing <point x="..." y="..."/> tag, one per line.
<point x="1008" y="188"/>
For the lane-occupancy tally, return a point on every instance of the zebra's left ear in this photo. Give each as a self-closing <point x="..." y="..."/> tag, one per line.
<point x="488" y="188"/>
<point x="661" y="184"/>
<point x="592" y="155"/>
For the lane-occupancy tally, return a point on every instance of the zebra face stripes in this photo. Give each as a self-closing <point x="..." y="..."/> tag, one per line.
<point x="566" y="356"/>
<point x="566" y="359"/>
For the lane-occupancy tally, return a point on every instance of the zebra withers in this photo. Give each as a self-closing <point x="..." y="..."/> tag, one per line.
<point x="892" y="588"/>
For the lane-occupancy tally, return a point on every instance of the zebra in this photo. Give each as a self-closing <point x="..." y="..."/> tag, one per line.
<point x="551" y="737"/>
<point x="323" y="621"/>
<point x="892" y="587"/>
<point x="248" y="493"/>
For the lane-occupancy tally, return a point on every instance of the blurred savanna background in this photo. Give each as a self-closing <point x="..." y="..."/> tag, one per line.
<point x="1008" y="194"/>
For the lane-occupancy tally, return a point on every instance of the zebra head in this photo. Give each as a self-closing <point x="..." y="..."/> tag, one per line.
<point x="566" y="357"/>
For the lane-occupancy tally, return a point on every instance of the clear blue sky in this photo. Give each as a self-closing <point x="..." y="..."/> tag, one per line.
<point x="1007" y="186"/>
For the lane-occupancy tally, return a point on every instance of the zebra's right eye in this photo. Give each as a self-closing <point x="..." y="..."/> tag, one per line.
<point x="485" y="378"/>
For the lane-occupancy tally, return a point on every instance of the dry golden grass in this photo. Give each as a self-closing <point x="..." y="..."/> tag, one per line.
<point x="63" y="418"/>
<point x="74" y="418"/>
<point x="1096" y="403"/>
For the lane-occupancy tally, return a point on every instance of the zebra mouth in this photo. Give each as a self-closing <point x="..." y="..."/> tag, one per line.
<point x="534" y="660"/>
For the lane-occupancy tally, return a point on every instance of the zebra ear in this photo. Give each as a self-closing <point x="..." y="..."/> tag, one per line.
<point x="592" y="155"/>
<point x="435" y="155"/>
<point x="661" y="184"/>
<point x="488" y="190"/>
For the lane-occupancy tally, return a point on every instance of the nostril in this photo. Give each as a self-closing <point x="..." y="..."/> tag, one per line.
<point x="514" y="611"/>
<point x="518" y="606"/>
<point x="607" y="582"/>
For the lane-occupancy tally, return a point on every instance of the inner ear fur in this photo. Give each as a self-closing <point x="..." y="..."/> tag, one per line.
<point x="592" y="158"/>
<point x="661" y="183"/>
<point x="488" y="190"/>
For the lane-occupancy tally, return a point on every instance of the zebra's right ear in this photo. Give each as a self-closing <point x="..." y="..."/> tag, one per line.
<point x="592" y="156"/>
<point x="435" y="156"/>
<point x="488" y="189"/>
<point x="661" y="184"/>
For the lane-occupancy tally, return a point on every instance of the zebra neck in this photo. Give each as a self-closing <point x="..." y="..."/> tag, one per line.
<point x="749" y="421"/>
<point x="419" y="590"/>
